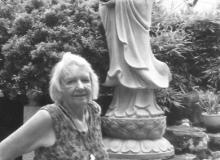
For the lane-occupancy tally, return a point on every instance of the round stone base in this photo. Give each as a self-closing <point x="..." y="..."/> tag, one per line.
<point x="134" y="128"/>
<point x="138" y="149"/>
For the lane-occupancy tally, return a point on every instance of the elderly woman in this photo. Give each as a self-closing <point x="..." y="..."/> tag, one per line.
<point x="69" y="129"/>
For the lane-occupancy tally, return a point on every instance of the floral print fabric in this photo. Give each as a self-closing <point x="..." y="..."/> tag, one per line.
<point x="70" y="143"/>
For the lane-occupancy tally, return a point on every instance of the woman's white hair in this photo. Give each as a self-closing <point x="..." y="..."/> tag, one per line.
<point x="62" y="67"/>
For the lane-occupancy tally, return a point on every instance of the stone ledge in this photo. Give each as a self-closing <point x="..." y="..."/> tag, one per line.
<point x="214" y="143"/>
<point x="187" y="139"/>
<point x="186" y="156"/>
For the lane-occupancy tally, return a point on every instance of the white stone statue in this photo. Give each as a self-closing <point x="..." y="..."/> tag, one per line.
<point x="134" y="70"/>
<point x="134" y="124"/>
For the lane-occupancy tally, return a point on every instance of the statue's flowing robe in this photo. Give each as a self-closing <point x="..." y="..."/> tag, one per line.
<point x="132" y="63"/>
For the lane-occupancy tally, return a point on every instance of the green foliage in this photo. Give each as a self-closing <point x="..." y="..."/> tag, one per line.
<point x="36" y="3"/>
<point x="209" y="101"/>
<point x="6" y="10"/>
<point x="51" y="18"/>
<point x="33" y="42"/>
<point x="4" y="32"/>
<point x="33" y="4"/>
<point x="189" y="44"/>
<point x="22" y="24"/>
<point x="37" y="38"/>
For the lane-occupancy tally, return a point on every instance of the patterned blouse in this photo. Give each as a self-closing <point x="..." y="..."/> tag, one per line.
<point x="70" y="143"/>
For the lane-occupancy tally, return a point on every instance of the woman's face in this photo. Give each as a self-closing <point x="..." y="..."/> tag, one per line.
<point x="76" y="86"/>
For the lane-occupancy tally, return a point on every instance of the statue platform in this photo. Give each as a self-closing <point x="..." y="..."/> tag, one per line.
<point x="193" y="143"/>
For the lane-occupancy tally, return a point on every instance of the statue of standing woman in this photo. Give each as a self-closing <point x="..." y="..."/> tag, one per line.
<point x="134" y="124"/>
<point x="134" y="70"/>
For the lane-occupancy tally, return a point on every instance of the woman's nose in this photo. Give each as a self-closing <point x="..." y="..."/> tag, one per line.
<point x="80" y="84"/>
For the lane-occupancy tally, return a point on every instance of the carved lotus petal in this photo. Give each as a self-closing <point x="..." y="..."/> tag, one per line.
<point x="145" y="147"/>
<point x="114" y="125"/>
<point x="149" y="125"/>
<point x="141" y="124"/>
<point x="156" y="147"/>
<point x="131" y="145"/>
<point x="115" y="145"/>
<point x="164" y="146"/>
<point x="152" y="146"/>
<point x="131" y="126"/>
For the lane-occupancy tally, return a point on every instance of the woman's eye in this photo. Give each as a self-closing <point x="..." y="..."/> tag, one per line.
<point x="70" y="82"/>
<point x="85" y="80"/>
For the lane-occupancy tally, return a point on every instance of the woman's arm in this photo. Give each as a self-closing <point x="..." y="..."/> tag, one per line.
<point x="36" y="132"/>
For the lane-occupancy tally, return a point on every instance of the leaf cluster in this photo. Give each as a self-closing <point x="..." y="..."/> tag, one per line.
<point x="209" y="101"/>
<point x="33" y="35"/>
<point x="189" y="44"/>
<point x="34" y="40"/>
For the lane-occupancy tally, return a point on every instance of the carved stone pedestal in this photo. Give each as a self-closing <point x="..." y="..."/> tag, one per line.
<point x="136" y="138"/>
<point x="138" y="149"/>
<point x="134" y="124"/>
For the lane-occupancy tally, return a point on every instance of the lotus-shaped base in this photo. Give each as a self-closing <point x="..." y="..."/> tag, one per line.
<point x="138" y="149"/>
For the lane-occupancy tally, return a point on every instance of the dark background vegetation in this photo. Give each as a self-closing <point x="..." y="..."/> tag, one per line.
<point x="35" y="33"/>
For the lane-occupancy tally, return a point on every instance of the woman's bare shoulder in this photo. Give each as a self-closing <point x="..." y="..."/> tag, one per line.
<point x="30" y="136"/>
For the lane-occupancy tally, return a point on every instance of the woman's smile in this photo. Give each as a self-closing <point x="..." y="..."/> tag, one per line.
<point x="77" y="86"/>
<point x="80" y="95"/>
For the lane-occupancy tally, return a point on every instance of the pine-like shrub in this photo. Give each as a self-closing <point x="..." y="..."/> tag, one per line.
<point x="32" y="44"/>
<point x="38" y="38"/>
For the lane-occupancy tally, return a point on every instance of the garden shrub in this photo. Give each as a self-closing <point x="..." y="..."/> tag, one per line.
<point x="51" y="19"/>
<point x="4" y="32"/>
<point x="189" y="44"/>
<point x="38" y="39"/>
<point x="6" y="10"/>
<point x="22" y="24"/>
<point x="33" y="43"/>
<point x="33" y="4"/>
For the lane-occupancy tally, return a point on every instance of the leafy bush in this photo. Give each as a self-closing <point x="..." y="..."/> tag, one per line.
<point x="32" y="44"/>
<point x="51" y="19"/>
<point x="33" y="4"/>
<point x="209" y="101"/>
<point x="22" y="24"/>
<point x="4" y="32"/>
<point x="38" y="38"/>
<point x="189" y="44"/>
<point x="36" y="3"/>
<point x="6" y="10"/>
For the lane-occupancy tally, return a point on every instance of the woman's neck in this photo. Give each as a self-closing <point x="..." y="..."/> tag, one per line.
<point x="76" y="111"/>
<point x="79" y="116"/>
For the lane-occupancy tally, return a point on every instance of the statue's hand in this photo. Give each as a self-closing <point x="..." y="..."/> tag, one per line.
<point x="108" y="3"/>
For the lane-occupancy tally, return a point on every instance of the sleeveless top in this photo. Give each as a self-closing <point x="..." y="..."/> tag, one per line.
<point x="70" y="143"/>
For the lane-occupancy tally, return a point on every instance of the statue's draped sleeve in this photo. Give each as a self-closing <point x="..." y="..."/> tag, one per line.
<point x="127" y="26"/>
